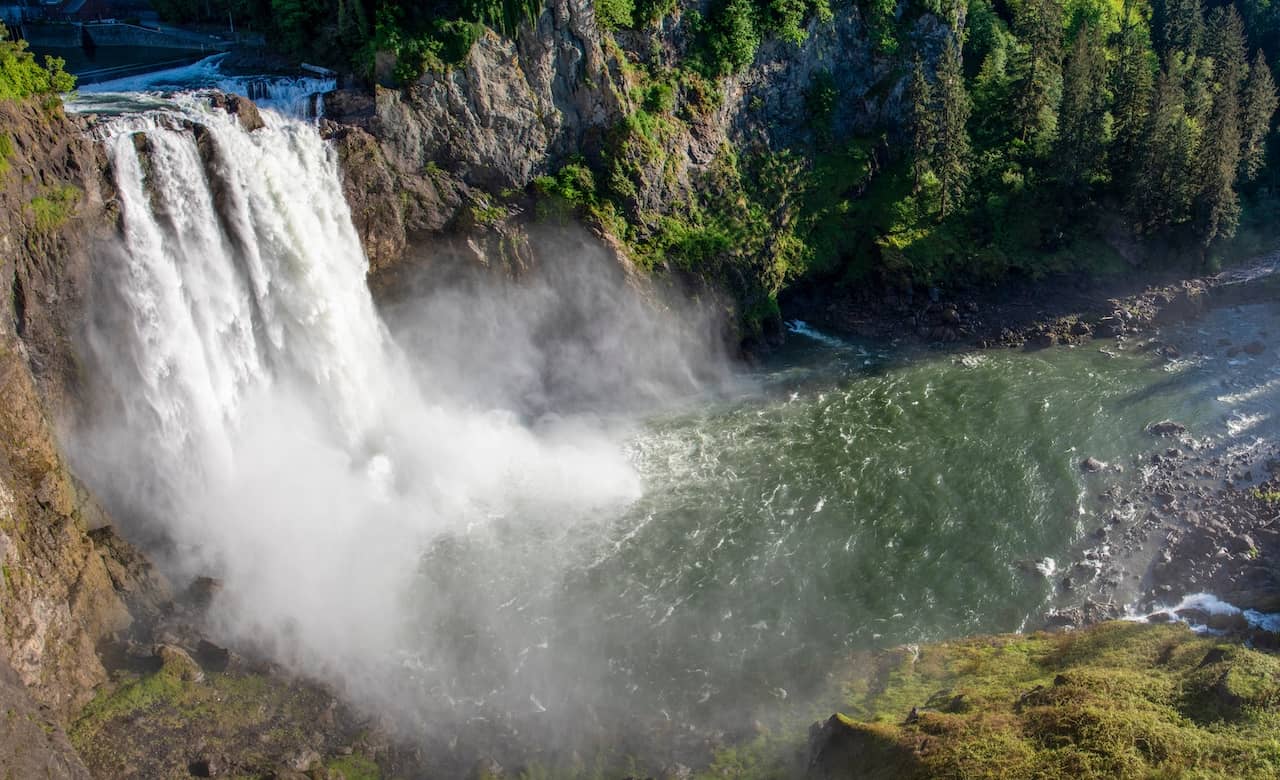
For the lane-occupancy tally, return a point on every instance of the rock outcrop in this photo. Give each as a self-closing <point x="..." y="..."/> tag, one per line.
<point x="57" y="595"/>
<point x="450" y="158"/>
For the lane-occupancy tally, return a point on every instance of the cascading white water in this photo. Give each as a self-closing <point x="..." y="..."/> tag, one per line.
<point x="256" y="413"/>
<point x="294" y="96"/>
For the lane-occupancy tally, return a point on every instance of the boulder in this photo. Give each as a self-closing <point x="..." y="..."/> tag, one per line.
<point x="1166" y="428"/>
<point x="1092" y="465"/>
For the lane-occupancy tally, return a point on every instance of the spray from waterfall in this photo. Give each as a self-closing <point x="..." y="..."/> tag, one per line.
<point x="256" y="418"/>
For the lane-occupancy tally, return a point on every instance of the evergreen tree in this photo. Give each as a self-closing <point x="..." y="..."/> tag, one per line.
<point x="1163" y="186"/>
<point x="951" y="158"/>
<point x="1218" y="205"/>
<point x="1226" y="47"/>
<point x="1181" y="26"/>
<point x="1082" y="117"/>
<point x="1133" y="76"/>
<point x="1038" y="24"/>
<point x="1259" y="106"/>
<point x="923" y="125"/>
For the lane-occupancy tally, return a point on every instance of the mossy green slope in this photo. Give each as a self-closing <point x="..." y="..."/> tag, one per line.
<point x="1115" y="700"/>
<point x="240" y="724"/>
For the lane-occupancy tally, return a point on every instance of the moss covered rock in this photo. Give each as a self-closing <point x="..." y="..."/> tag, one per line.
<point x="1114" y="700"/>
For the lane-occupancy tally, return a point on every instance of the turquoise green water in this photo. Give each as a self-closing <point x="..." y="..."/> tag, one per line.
<point x="844" y="499"/>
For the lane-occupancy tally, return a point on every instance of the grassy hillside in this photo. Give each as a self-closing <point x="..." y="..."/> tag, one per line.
<point x="1114" y="700"/>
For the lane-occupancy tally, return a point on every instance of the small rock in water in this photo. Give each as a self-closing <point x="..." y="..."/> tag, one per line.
<point x="1166" y="428"/>
<point x="1254" y="348"/>
<point x="1092" y="465"/>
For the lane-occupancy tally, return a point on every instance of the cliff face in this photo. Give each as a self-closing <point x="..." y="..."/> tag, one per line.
<point x="57" y="596"/>
<point x="448" y="161"/>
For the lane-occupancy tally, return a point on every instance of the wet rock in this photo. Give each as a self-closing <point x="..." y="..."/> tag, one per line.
<point x="1081" y="328"/>
<point x="212" y="657"/>
<point x="1266" y="600"/>
<point x="243" y="109"/>
<point x="1264" y="640"/>
<point x="1224" y="621"/>
<point x="1254" y="348"/>
<point x="1042" y="340"/>
<point x="1194" y="616"/>
<point x="179" y="663"/>
<point x="201" y="592"/>
<point x="1109" y="326"/>
<point x="839" y="744"/>
<point x="1092" y="465"/>
<point x="32" y="742"/>
<point x="1166" y="428"/>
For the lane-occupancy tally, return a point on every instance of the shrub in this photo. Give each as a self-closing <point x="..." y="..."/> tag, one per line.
<point x="21" y="76"/>
<point x="614" y="14"/>
<point x="660" y="98"/>
<point x="649" y="12"/>
<point x="820" y="101"/>
<point x="52" y="209"/>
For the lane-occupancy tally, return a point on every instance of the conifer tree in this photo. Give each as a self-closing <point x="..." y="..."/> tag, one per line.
<point x="1181" y="26"/>
<point x="1133" y="77"/>
<point x="951" y="158"/>
<point x="923" y="130"/>
<point x="1082" y="117"/>
<point x="1038" y="24"/>
<point x="1259" y="107"/>
<point x="1163" y="185"/>
<point x="1226" y="47"/>
<point x="1218" y="204"/>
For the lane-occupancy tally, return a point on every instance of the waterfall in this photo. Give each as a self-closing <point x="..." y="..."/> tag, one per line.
<point x="254" y="413"/>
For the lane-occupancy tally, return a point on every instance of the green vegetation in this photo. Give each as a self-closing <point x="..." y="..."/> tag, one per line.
<point x="6" y="151"/>
<point x="1266" y="496"/>
<point x="1115" y="700"/>
<point x="355" y="767"/>
<point x="1048" y="134"/>
<point x="52" y="209"/>
<point x="144" y="725"/>
<point x="22" y="77"/>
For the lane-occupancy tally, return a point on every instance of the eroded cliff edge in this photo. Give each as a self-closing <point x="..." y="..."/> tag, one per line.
<point x="61" y="592"/>
<point x="58" y="597"/>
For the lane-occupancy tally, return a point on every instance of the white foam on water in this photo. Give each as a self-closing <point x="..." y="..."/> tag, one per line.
<point x="801" y="328"/>
<point x="1210" y="605"/>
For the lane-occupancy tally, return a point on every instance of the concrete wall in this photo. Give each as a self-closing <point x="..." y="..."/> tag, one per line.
<point x="130" y="35"/>
<point x="52" y="34"/>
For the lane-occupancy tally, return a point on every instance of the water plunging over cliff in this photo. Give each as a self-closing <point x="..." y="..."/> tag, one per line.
<point x="255" y="411"/>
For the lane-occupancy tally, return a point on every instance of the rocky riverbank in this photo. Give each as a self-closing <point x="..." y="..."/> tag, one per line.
<point x="1200" y="513"/>
<point x="1063" y="310"/>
